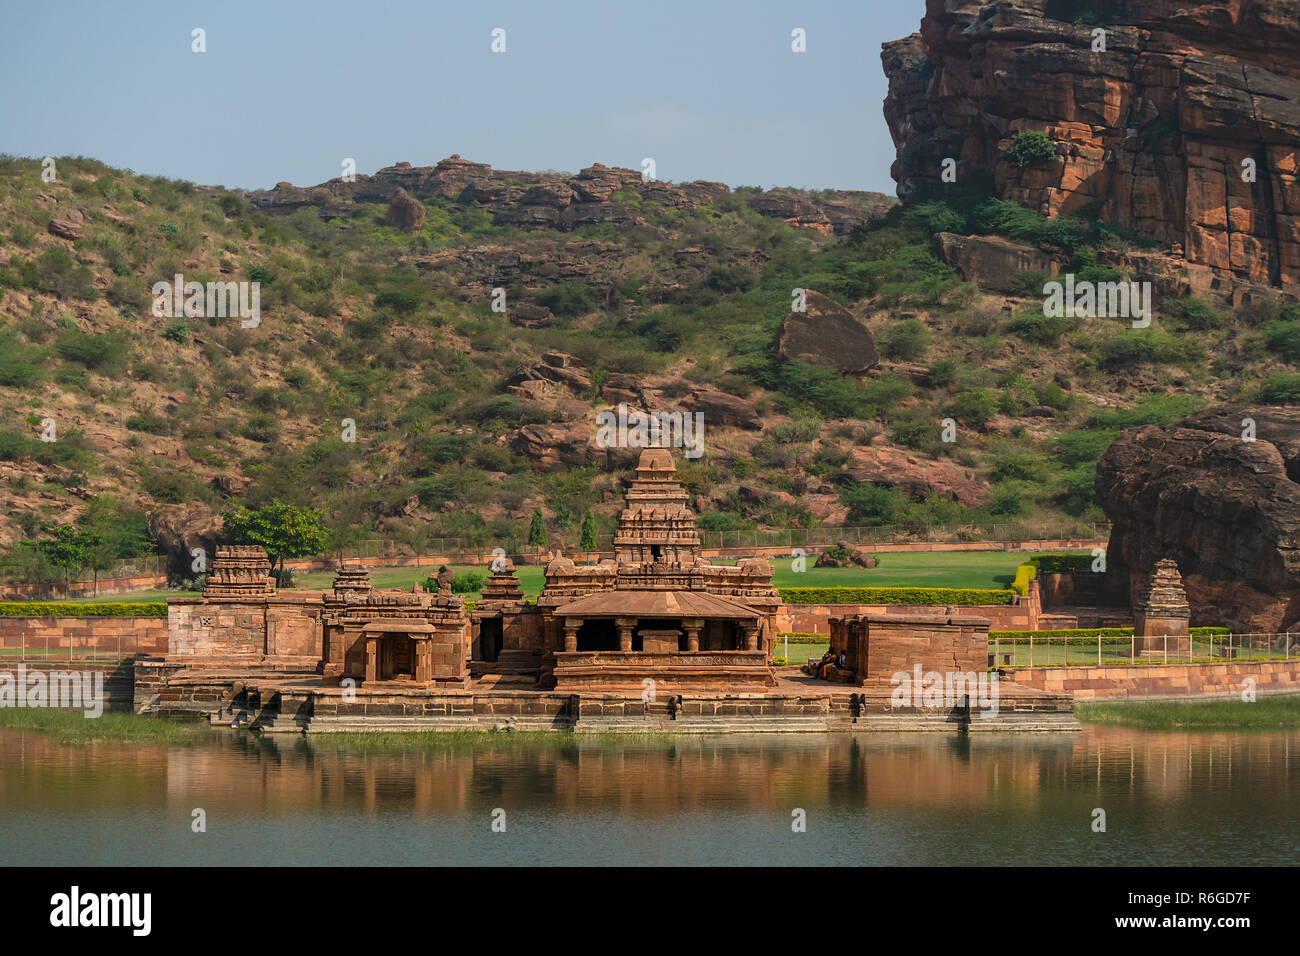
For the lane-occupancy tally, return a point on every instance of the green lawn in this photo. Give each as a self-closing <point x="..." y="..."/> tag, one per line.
<point x="957" y="569"/>
<point x="1082" y="652"/>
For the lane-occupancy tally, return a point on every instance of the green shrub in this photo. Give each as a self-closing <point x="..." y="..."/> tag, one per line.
<point x="1033" y="326"/>
<point x="20" y="365"/>
<point x="974" y="406"/>
<point x="568" y="299"/>
<point x="935" y="216"/>
<point x="98" y="609"/>
<point x="1197" y="315"/>
<point x="106" y="352"/>
<point x="897" y="596"/>
<point x="401" y="302"/>
<point x="1281" y="388"/>
<point x="1282" y="338"/>
<point x="905" y="340"/>
<point x="1008" y="501"/>
<point x="1030" y="147"/>
<point x="872" y="505"/>
<point x="1137" y="346"/>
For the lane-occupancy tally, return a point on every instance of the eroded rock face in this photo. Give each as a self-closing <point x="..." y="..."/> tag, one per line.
<point x="826" y="333"/>
<point x="178" y="529"/>
<point x="1225" y="509"/>
<point x="1154" y="129"/>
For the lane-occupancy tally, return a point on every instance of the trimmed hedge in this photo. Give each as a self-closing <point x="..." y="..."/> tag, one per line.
<point x="1124" y="632"/>
<point x="899" y="596"/>
<point x="99" y="609"/>
<point x="1048" y="564"/>
<point x="802" y="637"/>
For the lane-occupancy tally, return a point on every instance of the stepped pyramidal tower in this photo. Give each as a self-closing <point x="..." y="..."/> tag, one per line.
<point x="656" y="526"/>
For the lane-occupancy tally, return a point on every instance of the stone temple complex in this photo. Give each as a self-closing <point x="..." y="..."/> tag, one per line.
<point x="654" y="637"/>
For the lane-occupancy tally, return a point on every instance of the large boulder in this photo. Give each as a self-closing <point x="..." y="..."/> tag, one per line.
<point x="405" y="212"/>
<point x="559" y="446"/>
<point x="722" y="409"/>
<point x="176" y="530"/>
<point x="1225" y="508"/>
<point x="826" y="333"/>
<point x="882" y="463"/>
<point x="991" y="262"/>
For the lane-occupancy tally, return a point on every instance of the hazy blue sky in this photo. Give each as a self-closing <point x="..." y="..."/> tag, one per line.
<point x="285" y="91"/>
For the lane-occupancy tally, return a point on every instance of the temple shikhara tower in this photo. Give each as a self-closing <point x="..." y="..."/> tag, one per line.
<point x="659" y="609"/>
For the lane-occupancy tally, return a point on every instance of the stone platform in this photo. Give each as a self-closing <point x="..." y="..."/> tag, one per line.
<point x="286" y="699"/>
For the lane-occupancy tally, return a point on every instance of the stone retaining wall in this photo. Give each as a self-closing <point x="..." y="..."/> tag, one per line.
<point x="119" y="677"/>
<point x="1141" y="681"/>
<point x="127" y="636"/>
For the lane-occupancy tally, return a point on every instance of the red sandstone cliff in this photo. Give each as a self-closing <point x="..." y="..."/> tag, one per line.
<point x="1155" y="128"/>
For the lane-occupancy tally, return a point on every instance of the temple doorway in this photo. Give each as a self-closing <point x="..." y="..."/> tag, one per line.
<point x="490" y="639"/>
<point x="396" y="658"/>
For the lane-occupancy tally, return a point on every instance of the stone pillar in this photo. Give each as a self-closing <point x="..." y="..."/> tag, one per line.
<point x="751" y="636"/>
<point x="625" y="625"/>
<point x="693" y="628"/>
<point x="372" y="658"/>
<point x="423" y="652"/>
<point x="571" y="626"/>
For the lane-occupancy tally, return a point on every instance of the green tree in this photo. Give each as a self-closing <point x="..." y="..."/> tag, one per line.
<point x="588" y="540"/>
<point x="537" y="530"/>
<point x="285" y="531"/>
<point x="68" y="547"/>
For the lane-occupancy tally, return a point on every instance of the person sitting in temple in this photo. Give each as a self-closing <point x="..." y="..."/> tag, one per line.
<point x="818" y="668"/>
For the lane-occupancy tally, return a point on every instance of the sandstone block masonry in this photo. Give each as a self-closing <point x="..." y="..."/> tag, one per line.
<point x="878" y="646"/>
<point x="107" y="636"/>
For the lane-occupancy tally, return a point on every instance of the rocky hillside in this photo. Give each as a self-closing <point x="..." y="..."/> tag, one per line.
<point x="435" y="343"/>
<point x="1153" y="133"/>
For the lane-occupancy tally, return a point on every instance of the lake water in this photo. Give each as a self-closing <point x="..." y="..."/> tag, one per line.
<point x="1169" y="798"/>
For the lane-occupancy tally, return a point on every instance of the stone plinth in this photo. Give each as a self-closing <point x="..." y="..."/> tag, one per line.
<point x="671" y="672"/>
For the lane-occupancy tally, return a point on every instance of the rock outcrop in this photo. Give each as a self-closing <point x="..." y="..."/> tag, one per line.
<point x="1152" y="131"/>
<point x="826" y="333"/>
<point x="598" y="194"/>
<point x="885" y="464"/>
<point x="990" y="261"/>
<point x="1225" y="508"/>
<point x="176" y="530"/>
<point x="405" y="212"/>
